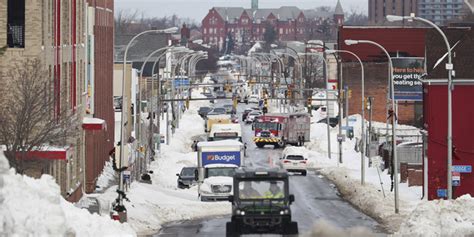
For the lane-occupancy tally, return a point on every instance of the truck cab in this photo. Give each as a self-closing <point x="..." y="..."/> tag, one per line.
<point x="261" y="203"/>
<point x="230" y="131"/>
<point x="282" y="129"/>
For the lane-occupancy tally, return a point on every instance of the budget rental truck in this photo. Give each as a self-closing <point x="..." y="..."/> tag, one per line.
<point x="217" y="162"/>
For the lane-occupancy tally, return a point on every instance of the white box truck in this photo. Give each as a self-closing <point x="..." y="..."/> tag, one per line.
<point x="217" y="162"/>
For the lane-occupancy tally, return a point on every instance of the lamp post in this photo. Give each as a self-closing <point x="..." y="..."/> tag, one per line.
<point x="327" y="100"/>
<point x="362" y="137"/>
<point x="394" y="115"/>
<point x="449" y="67"/>
<point x="119" y="206"/>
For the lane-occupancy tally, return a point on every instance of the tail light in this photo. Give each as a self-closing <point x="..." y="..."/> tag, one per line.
<point x="303" y="161"/>
<point x="286" y="161"/>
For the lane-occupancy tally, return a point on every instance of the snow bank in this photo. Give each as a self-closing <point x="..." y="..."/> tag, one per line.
<point x="369" y="197"/>
<point x="162" y="202"/>
<point x="34" y="207"/>
<point x="441" y="218"/>
<point x="323" y="228"/>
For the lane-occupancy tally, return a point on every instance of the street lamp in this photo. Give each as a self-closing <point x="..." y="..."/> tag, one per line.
<point x="120" y="207"/>
<point x="394" y="115"/>
<point x="362" y="156"/>
<point x="327" y="99"/>
<point x="449" y="67"/>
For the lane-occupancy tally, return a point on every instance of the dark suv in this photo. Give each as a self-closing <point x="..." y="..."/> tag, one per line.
<point x="261" y="203"/>
<point x="186" y="178"/>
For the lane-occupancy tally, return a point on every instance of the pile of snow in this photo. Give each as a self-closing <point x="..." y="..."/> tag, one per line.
<point x="441" y="218"/>
<point x="162" y="202"/>
<point x="34" y="207"/>
<point x="370" y="197"/>
<point x="107" y="177"/>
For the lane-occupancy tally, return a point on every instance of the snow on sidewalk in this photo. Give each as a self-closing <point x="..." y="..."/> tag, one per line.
<point x="34" y="207"/>
<point x="416" y="217"/>
<point x="162" y="202"/>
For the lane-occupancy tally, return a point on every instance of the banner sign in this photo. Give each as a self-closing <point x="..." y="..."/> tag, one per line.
<point x="406" y="72"/>
<point x="221" y="157"/>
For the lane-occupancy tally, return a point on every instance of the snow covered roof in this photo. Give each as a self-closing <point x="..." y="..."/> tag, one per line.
<point x="220" y="143"/>
<point x="93" y="123"/>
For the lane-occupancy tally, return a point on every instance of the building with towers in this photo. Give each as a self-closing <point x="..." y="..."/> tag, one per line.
<point x="248" y="25"/>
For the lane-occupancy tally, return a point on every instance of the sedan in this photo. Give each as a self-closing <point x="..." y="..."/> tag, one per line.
<point x="219" y="110"/>
<point x="187" y="177"/>
<point x="253" y="99"/>
<point x="229" y="109"/>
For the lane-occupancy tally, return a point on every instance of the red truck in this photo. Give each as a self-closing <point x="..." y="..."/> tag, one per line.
<point x="282" y="129"/>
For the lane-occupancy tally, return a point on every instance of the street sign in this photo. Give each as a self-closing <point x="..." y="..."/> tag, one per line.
<point x="442" y="192"/>
<point x="347" y="128"/>
<point x="456" y="178"/>
<point x="462" y="168"/>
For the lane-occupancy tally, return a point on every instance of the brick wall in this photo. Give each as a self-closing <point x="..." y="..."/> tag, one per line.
<point x="376" y="80"/>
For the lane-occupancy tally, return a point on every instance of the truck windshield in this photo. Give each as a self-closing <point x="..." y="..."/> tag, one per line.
<point x="220" y="171"/>
<point x="261" y="189"/>
<point x="266" y="126"/>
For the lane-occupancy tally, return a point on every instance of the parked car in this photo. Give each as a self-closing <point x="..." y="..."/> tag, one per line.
<point x="187" y="177"/>
<point x="332" y="121"/>
<point x="294" y="159"/>
<point x="203" y="111"/>
<point x="252" y="116"/>
<point x="247" y="111"/>
<point x="254" y="99"/>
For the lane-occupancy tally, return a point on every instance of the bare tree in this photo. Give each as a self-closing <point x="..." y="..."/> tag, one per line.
<point x="30" y="118"/>
<point x="355" y="18"/>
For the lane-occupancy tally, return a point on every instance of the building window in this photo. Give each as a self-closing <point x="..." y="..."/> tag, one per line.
<point x="205" y="31"/>
<point x="16" y="24"/>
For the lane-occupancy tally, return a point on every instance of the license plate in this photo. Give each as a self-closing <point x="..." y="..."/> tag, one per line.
<point x="295" y="163"/>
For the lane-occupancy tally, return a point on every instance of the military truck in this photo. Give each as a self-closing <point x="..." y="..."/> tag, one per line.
<point x="261" y="203"/>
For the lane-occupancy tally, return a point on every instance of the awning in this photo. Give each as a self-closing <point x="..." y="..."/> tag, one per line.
<point x="93" y="123"/>
<point x="48" y="153"/>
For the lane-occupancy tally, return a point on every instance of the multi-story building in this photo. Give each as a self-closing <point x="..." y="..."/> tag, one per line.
<point x="379" y="9"/>
<point x="440" y="11"/>
<point x="71" y="38"/>
<point x="246" y="26"/>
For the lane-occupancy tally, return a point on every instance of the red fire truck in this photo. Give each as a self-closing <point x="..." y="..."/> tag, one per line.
<point x="282" y="129"/>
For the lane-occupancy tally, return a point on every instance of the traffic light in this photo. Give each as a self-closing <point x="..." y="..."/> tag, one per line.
<point x="349" y="93"/>
<point x="309" y="102"/>
<point x="288" y="93"/>
<point x="187" y="103"/>
<point x="265" y="102"/>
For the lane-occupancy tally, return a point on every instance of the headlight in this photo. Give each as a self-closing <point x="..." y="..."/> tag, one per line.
<point x="242" y="213"/>
<point x="285" y="212"/>
<point x="237" y="212"/>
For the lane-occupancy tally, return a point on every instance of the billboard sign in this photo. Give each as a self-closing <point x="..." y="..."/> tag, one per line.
<point x="221" y="157"/>
<point x="406" y="72"/>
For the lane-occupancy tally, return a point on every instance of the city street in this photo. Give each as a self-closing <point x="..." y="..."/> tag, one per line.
<point x="315" y="197"/>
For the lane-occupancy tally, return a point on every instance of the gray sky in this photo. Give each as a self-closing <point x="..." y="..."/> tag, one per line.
<point x="197" y="9"/>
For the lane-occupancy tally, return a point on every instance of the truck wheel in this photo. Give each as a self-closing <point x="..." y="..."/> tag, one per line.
<point x="281" y="144"/>
<point x="303" y="172"/>
<point x="291" y="229"/>
<point x="231" y="230"/>
<point x="260" y="145"/>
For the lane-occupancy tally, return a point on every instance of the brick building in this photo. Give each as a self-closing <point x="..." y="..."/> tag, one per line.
<point x="56" y="33"/>
<point x="378" y="10"/>
<point x="403" y="42"/>
<point x="247" y="26"/>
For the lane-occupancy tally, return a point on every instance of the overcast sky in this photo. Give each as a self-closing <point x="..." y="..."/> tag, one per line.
<point x="197" y="9"/>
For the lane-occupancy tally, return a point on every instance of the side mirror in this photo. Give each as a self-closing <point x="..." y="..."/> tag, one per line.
<point x="177" y="175"/>
<point x="196" y="175"/>
<point x="292" y="198"/>
<point x="231" y="198"/>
